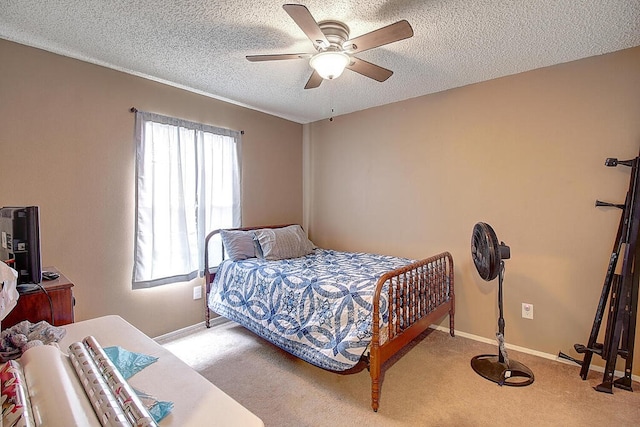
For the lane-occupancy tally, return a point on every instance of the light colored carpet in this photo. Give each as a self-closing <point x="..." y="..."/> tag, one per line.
<point x="431" y="384"/>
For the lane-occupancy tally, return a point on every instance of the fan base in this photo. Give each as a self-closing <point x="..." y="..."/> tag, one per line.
<point x="514" y="374"/>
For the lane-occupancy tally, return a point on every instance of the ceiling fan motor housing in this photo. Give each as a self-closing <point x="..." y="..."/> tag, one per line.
<point x="336" y="32"/>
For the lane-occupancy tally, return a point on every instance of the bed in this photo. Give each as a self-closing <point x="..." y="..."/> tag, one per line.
<point x="329" y="308"/>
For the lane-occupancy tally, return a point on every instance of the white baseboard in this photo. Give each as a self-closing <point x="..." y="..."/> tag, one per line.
<point x="189" y="330"/>
<point x="549" y="356"/>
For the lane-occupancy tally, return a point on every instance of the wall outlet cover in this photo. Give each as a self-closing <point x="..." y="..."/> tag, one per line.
<point x="527" y="310"/>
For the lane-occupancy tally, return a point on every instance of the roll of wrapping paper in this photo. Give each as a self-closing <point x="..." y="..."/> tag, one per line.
<point x="54" y="390"/>
<point x="129" y="401"/>
<point x="102" y="399"/>
<point x="16" y="409"/>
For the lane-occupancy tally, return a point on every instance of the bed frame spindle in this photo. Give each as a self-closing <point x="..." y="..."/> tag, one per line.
<point x="428" y="291"/>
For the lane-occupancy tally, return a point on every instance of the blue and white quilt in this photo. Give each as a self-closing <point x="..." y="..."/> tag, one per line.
<point x="317" y="307"/>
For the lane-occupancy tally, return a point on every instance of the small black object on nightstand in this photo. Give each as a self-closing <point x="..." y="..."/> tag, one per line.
<point x="50" y="275"/>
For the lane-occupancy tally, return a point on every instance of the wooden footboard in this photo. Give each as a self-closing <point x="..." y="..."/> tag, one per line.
<point x="419" y="294"/>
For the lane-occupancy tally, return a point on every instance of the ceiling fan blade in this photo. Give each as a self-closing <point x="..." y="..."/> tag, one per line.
<point x="391" y="33"/>
<point x="314" y="81"/>
<point x="278" y="57"/>
<point x="301" y="15"/>
<point x="368" y="69"/>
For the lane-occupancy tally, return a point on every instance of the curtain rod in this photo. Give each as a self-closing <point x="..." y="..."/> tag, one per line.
<point x="135" y="110"/>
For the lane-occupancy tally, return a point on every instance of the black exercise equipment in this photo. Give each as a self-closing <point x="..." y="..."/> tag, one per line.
<point x="620" y="289"/>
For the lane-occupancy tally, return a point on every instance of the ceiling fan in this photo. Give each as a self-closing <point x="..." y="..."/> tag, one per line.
<point x="336" y="49"/>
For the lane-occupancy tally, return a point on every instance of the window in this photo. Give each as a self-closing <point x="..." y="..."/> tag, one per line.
<point x="187" y="184"/>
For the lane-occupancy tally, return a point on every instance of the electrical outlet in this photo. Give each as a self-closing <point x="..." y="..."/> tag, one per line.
<point x="197" y="292"/>
<point x="527" y="310"/>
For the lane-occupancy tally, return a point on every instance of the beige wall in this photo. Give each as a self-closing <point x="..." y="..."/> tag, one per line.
<point x="66" y="144"/>
<point x="524" y="153"/>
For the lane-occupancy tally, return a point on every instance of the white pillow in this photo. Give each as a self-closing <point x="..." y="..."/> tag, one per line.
<point x="282" y="243"/>
<point x="238" y="244"/>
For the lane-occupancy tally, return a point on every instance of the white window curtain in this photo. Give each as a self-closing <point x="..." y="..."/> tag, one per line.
<point x="187" y="184"/>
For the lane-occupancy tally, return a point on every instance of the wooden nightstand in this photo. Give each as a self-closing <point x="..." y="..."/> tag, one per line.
<point x="34" y="305"/>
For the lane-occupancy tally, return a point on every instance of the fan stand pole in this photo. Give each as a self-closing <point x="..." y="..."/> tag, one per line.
<point x="501" y="311"/>
<point x="498" y="368"/>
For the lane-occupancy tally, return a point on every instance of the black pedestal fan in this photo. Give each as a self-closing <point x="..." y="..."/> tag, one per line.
<point x="488" y="256"/>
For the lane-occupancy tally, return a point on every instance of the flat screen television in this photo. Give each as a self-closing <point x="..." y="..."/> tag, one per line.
<point x="20" y="242"/>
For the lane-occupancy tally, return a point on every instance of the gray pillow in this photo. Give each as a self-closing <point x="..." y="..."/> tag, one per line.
<point x="238" y="244"/>
<point x="282" y="243"/>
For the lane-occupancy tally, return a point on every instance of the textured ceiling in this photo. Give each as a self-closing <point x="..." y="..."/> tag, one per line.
<point x="200" y="45"/>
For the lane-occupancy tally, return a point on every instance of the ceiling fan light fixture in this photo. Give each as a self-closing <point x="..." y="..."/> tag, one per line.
<point x="329" y="65"/>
